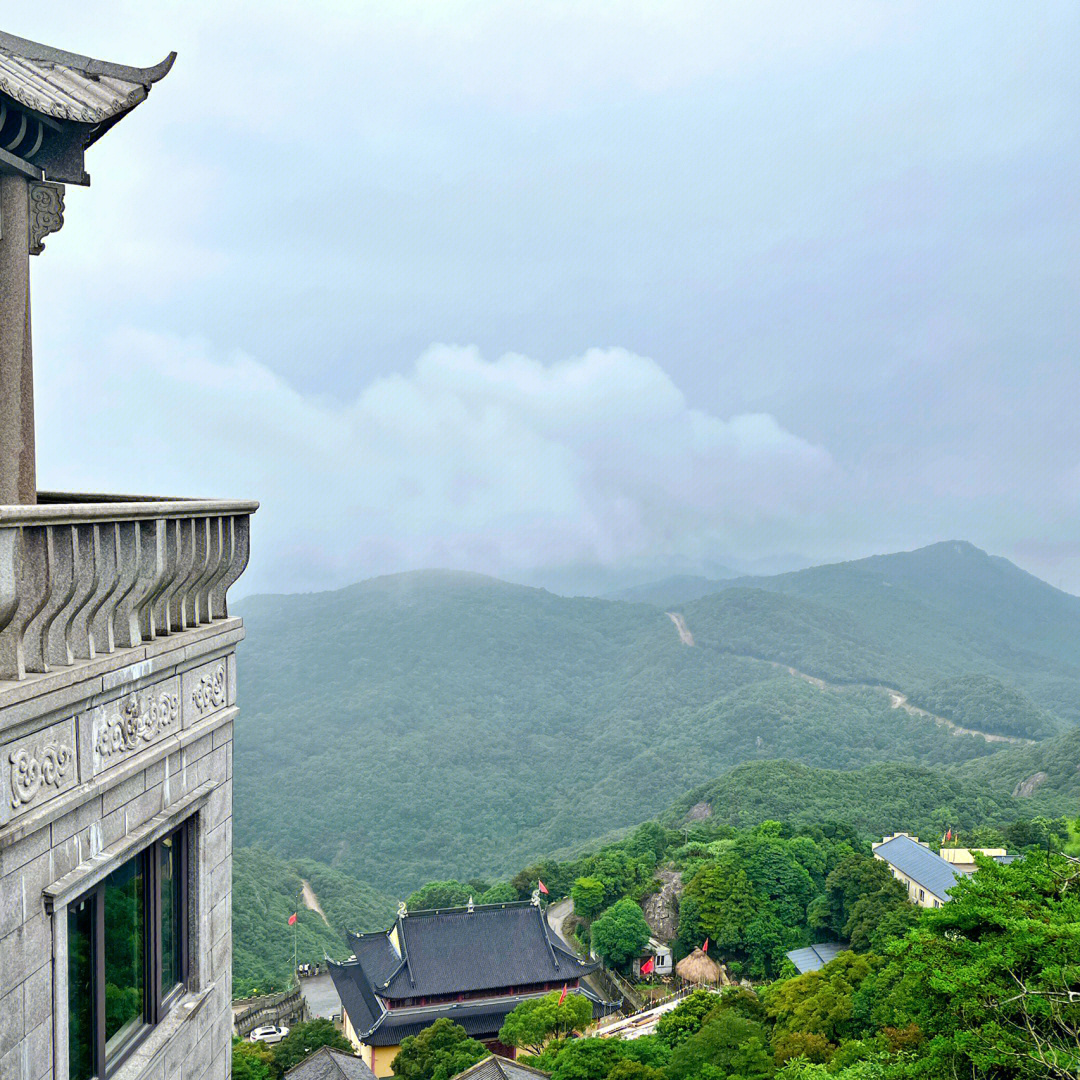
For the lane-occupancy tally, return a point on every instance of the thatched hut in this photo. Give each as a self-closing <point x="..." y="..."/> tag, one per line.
<point x="699" y="967"/>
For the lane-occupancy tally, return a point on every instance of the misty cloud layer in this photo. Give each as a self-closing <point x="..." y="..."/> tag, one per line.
<point x="797" y="281"/>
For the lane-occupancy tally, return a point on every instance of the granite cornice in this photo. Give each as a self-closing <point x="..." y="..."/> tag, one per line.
<point x="39" y="701"/>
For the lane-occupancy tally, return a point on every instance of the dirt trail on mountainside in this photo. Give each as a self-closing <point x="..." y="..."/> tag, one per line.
<point x="311" y="901"/>
<point x="680" y="624"/>
<point x="897" y="699"/>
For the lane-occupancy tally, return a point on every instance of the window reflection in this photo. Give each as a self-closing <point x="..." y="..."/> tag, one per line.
<point x="125" y="954"/>
<point x="81" y="989"/>
<point x="170" y="915"/>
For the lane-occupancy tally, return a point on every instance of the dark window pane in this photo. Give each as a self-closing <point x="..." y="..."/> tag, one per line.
<point x="125" y="953"/>
<point x="81" y="989"/>
<point x="170" y="913"/>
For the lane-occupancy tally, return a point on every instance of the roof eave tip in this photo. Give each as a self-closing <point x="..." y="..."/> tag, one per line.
<point x="159" y="71"/>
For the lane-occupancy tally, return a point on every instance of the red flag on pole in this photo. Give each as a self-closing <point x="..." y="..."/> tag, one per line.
<point x="705" y="947"/>
<point x="647" y="967"/>
<point x="543" y="887"/>
<point x="562" y="996"/>
<point x="292" y="918"/>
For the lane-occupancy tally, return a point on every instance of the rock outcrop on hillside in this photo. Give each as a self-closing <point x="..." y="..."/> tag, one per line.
<point x="662" y="908"/>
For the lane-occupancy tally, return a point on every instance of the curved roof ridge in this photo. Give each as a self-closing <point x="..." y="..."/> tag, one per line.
<point x="420" y="912"/>
<point x="87" y="65"/>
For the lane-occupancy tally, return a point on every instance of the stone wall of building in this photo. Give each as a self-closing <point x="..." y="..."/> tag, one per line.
<point x="96" y="761"/>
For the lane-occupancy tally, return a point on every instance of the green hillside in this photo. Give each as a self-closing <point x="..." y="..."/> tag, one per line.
<point x="907" y="620"/>
<point x="880" y="799"/>
<point x="1041" y="779"/>
<point x="266" y="892"/>
<point x="436" y="725"/>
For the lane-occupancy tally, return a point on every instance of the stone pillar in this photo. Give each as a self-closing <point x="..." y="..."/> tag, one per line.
<point x="18" y="479"/>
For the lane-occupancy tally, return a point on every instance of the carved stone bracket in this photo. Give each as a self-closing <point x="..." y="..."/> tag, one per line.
<point x="46" y="212"/>
<point x="30" y="772"/>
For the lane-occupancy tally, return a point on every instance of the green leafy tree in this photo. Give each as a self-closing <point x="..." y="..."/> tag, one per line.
<point x="628" y="1069"/>
<point x="997" y="970"/>
<point x="822" y="1002"/>
<point x="305" y="1039"/>
<point x="251" y="1061"/>
<point x="804" y="1044"/>
<point x="728" y="1045"/>
<point x="533" y="1023"/>
<point x="648" y="1050"/>
<point x="586" y="1059"/>
<point x="620" y="933"/>
<point x="437" y="1053"/>
<point x="439" y="894"/>
<point x="687" y="1018"/>
<point x="588" y="897"/>
<point x="503" y="893"/>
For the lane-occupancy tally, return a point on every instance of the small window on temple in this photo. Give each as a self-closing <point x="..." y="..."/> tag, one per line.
<point x="127" y="955"/>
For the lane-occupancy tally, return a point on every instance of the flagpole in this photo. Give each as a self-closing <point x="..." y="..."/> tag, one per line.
<point x="296" y="911"/>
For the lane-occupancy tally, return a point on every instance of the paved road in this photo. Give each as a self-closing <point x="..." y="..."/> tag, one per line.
<point x="321" y="997"/>
<point x="556" y="916"/>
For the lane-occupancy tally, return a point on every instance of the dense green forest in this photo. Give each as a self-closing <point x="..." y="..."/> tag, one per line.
<point x="984" y="703"/>
<point x="266" y="891"/>
<point x="977" y="988"/>
<point x="431" y="725"/>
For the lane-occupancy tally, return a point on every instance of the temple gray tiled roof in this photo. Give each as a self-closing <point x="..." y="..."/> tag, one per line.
<point x="67" y="86"/>
<point x="497" y="1067"/>
<point x="920" y="864"/>
<point x="462" y="951"/>
<point x="329" y="1064"/>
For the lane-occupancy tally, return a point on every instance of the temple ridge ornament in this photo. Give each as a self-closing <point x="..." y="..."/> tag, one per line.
<point x="29" y="773"/>
<point x="402" y="910"/>
<point x="46" y="212"/>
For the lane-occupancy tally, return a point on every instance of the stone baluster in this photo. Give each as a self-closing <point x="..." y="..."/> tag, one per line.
<point x="10" y="549"/>
<point x="207" y="558"/>
<point x="159" y="556"/>
<point x="191" y="571"/>
<point x="69" y="631"/>
<point x="235" y="565"/>
<point x="201" y="572"/>
<point x="125" y="616"/>
<point x="42" y="649"/>
<point x="93" y="635"/>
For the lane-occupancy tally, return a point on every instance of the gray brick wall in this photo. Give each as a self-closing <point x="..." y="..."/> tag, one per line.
<point x="58" y="821"/>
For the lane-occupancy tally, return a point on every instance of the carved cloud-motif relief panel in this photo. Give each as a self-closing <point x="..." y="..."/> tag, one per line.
<point x="37" y="768"/>
<point x="114" y="732"/>
<point x="205" y="690"/>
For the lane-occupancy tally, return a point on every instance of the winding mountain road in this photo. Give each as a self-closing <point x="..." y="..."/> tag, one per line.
<point x="897" y="699"/>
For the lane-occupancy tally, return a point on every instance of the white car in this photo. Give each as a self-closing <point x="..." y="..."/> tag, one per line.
<point x="269" y="1033"/>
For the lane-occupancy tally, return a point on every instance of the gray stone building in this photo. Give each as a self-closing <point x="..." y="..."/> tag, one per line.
<point x="117" y="686"/>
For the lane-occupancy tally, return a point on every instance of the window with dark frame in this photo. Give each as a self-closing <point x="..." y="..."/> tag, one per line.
<point x="127" y="955"/>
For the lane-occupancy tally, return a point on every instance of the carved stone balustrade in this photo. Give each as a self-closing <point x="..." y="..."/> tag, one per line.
<point x="83" y="576"/>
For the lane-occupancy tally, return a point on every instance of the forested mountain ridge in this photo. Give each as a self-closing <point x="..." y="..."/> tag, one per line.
<point x="429" y="725"/>
<point x="906" y="620"/>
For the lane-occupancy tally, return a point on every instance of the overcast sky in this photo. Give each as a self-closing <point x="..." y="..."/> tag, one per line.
<point x="551" y="284"/>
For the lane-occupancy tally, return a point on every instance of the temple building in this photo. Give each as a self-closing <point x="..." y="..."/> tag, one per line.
<point x="117" y="683"/>
<point x="473" y="965"/>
